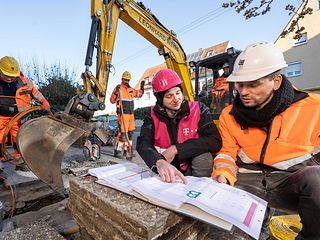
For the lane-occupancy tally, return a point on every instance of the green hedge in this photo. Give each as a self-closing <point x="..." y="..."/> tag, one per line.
<point x="140" y="113"/>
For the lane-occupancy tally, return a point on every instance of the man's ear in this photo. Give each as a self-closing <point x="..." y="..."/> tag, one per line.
<point x="277" y="81"/>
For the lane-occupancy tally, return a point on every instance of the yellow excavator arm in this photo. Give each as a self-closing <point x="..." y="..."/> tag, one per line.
<point x="43" y="141"/>
<point x="105" y="17"/>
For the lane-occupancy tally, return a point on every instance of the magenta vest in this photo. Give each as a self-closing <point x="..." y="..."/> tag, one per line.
<point x="187" y="129"/>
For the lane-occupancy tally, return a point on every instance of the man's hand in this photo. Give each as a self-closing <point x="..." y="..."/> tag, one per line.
<point x="220" y="179"/>
<point x="46" y="108"/>
<point x="142" y="85"/>
<point x="168" y="173"/>
<point x="170" y="153"/>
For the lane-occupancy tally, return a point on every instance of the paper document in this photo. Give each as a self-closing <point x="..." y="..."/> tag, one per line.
<point x="120" y="176"/>
<point x="202" y="198"/>
<point x="231" y="204"/>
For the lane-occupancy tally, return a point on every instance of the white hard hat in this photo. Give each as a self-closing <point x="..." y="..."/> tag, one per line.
<point x="256" y="61"/>
<point x="225" y="65"/>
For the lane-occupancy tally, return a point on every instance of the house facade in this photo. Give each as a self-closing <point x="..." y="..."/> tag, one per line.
<point x="148" y="99"/>
<point x="303" y="55"/>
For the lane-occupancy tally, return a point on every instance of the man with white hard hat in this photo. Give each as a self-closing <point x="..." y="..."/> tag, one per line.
<point x="271" y="137"/>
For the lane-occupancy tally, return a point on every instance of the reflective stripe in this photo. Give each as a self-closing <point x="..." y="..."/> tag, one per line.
<point x="127" y="100"/>
<point x="225" y="165"/>
<point x="23" y="108"/>
<point x="160" y="150"/>
<point x="244" y="170"/>
<point x="284" y="165"/>
<point x="28" y="83"/>
<point x="38" y="95"/>
<point x="224" y="156"/>
<point x="244" y="157"/>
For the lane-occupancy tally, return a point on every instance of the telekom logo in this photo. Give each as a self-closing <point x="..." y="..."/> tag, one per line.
<point x="186" y="131"/>
<point x="164" y="82"/>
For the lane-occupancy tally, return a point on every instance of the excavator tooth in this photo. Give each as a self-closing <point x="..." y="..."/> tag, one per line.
<point x="42" y="143"/>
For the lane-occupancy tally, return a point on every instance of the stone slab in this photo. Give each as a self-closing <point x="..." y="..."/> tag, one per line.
<point x="123" y="216"/>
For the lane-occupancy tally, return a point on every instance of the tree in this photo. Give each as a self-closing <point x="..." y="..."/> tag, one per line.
<point x="250" y="10"/>
<point x="55" y="82"/>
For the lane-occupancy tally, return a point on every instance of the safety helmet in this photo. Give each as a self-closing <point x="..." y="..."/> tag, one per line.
<point x="164" y="80"/>
<point x="256" y="61"/>
<point x="9" y="66"/>
<point x="225" y="65"/>
<point x="126" y="75"/>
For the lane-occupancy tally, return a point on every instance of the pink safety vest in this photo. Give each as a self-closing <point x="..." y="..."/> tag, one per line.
<point x="187" y="129"/>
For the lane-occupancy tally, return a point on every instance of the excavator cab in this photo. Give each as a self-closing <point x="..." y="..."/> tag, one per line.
<point x="207" y="71"/>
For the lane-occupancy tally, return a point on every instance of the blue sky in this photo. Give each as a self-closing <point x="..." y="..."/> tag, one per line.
<point x="57" y="31"/>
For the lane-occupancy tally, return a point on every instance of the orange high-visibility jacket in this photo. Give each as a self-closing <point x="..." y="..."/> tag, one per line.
<point x="294" y="135"/>
<point x="220" y="87"/>
<point x="26" y="91"/>
<point x="128" y="94"/>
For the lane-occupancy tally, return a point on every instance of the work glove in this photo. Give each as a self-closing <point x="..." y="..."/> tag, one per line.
<point x="117" y="90"/>
<point x="142" y="85"/>
<point x="48" y="109"/>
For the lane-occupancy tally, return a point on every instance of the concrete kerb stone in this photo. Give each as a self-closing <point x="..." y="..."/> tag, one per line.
<point x="116" y="206"/>
<point x="98" y="226"/>
<point x="126" y="216"/>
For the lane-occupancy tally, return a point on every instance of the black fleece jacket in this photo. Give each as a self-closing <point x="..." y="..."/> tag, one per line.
<point x="209" y="138"/>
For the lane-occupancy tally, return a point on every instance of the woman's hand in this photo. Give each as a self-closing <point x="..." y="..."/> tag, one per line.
<point x="169" y="173"/>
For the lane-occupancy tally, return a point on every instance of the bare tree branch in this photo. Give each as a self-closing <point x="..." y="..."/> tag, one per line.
<point x="250" y="10"/>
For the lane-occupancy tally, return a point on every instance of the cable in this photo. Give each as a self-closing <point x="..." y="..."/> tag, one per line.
<point x="183" y="30"/>
<point x="12" y="196"/>
<point x="12" y="121"/>
<point x="206" y="21"/>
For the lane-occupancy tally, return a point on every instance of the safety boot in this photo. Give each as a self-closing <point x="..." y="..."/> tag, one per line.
<point x="117" y="154"/>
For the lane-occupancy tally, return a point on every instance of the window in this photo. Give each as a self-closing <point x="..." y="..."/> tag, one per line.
<point x="146" y="80"/>
<point x="294" y="69"/>
<point x="302" y="40"/>
<point x="209" y="54"/>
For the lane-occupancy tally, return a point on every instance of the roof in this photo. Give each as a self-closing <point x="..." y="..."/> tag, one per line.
<point x="195" y="56"/>
<point x="149" y="73"/>
<point x="207" y="52"/>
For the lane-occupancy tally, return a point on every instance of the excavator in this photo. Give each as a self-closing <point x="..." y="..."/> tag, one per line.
<point x="43" y="141"/>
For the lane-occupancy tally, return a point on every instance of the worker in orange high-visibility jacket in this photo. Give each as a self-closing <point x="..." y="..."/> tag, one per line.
<point x="16" y="95"/>
<point x="123" y="95"/>
<point x="220" y="90"/>
<point x="271" y="138"/>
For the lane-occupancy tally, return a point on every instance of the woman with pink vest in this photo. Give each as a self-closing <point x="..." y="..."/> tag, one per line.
<point x="178" y="137"/>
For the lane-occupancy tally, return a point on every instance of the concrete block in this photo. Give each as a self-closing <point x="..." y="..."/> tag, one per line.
<point x="106" y="213"/>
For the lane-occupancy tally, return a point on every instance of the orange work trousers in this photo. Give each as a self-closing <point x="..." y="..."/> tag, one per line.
<point x="126" y="122"/>
<point x="13" y="133"/>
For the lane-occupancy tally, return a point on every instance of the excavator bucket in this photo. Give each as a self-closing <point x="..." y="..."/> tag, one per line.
<point x="42" y="143"/>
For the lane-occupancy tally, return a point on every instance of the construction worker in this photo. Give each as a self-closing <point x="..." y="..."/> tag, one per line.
<point x="178" y="137"/>
<point x="220" y="87"/>
<point x="271" y="137"/>
<point x="16" y="95"/>
<point x="123" y="96"/>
